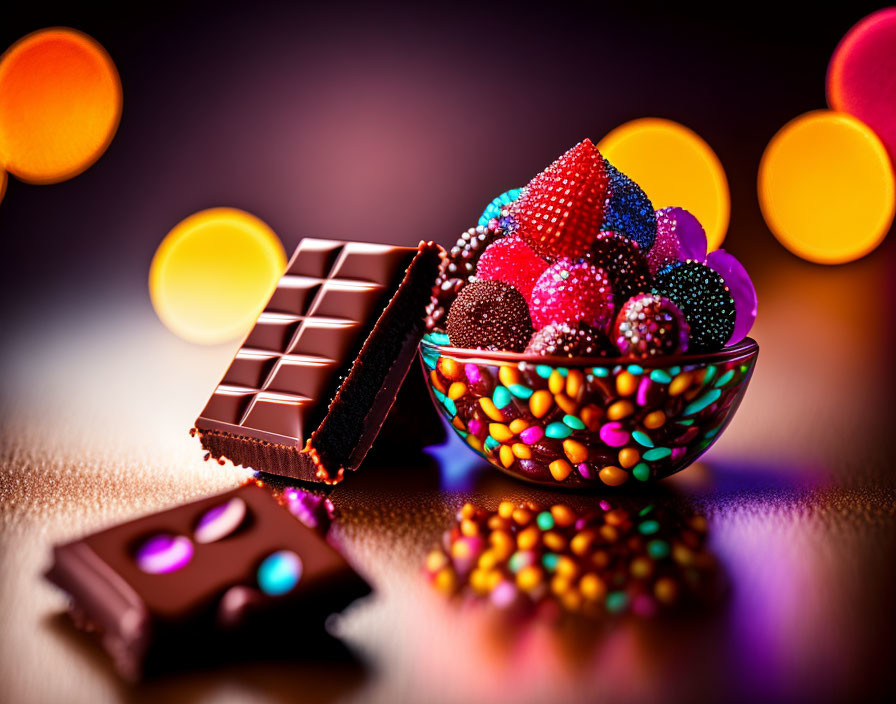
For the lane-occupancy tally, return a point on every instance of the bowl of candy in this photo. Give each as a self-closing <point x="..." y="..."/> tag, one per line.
<point x="579" y="338"/>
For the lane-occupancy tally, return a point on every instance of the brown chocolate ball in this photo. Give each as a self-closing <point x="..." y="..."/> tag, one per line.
<point x="564" y="340"/>
<point x="489" y="315"/>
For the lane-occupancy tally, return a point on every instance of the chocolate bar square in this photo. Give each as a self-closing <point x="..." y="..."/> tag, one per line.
<point x="312" y="384"/>
<point x="236" y="567"/>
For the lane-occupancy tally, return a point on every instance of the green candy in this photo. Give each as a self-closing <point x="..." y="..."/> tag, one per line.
<point x="550" y="561"/>
<point x="430" y="357"/>
<point x="520" y="391"/>
<point x="545" y="520"/>
<point x="649" y="527"/>
<point x="491" y="443"/>
<point x="658" y="549"/>
<point x="635" y="369"/>
<point x="642" y="438"/>
<point x="573" y="422"/>
<point x="710" y="373"/>
<point x="502" y="397"/>
<point x="558" y="431"/>
<point x="439" y="338"/>
<point x="600" y="372"/>
<point x="641" y="472"/>
<point x="544" y="370"/>
<point x="724" y="379"/>
<point x="617" y="602"/>
<point x="660" y="376"/>
<point x="449" y="405"/>
<point x="657" y="453"/>
<point x="517" y="561"/>
<point x="702" y="402"/>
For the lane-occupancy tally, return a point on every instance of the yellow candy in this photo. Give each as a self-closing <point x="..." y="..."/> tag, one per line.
<point x="609" y="533"/>
<point x="666" y="590"/>
<point x="436" y="560"/>
<point x="581" y="542"/>
<point x="629" y="457"/>
<point x="560" y="585"/>
<point x="521" y="451"/>
<point x="616" y="517"/>
<point x="468" y="510"/>
<point x="613" y="476"/>
<point x="572" y="600"/>
<point x="593" y="587"/>
<point x="641" y="567"/>
<point x="556" y="382"/>
<point x="450" y="368"/>
<point x="502" y="544"/>
<point x="456" y="390"/>
<point x="469" y="528"/>
<point x="626" y="383"/>
<point x="563" y="515"/>
<point x="654" y="420"/>
<point x="522" y="516"/>
<point x="620" y="410"/>
<point x="575" y="382"/>
<point x="567" y="404"/>
<point x="474" y="442"/>
<point x="567" y="567"/>
<point x="540" y="402"/>
<point x="509" y="375"/>
<point x="529" y="578"/>
<point x="679" y="384"/>
<point x="458" y="423"/>
<point x="490" y="409"/>
<point x="591" y="416"/>
<point x="600" y="559"/>
<point x="498" y="523"/>
<point x="560" y="469"/>
<point x="488" y="560"/>
<point x="500" y="432"/>
<point x="506" y="508"/>
<point x="437" y="381"/>
<point x="446" y="580"/>
<point x="505" y="454"/>
<point x="575" y="451"/>
<point x="554" y="541"/>
<point x="518" y="425"/>
<point x="527" y="539"/>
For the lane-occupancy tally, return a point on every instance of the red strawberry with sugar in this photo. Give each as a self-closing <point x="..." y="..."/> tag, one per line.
<point x="571" y="291"/>
<point x="561" y="210"/>
<point x="512" y="261"/>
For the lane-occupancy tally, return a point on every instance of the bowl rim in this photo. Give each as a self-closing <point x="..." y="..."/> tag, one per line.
<point x="748" y="347"/>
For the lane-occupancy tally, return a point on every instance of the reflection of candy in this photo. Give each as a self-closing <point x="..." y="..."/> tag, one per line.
<point x="314" y="511"/>
<point x="164" y="553"/>
<point x="629" y="210"/>
<point x="577" y="340"/>
<point x="679" y="236"/>
<point x="562" y="208"/>
<point x="741" y="289"/>
<point x="624" y="263"/>
<point x="490" y="315"/>
<point x="512" y="261"/>
<point x="279" y="573"/>
<point x="649" y="325"/>
<point x="703" y="297"/>
<point x="220" y="521"/>
<point x="569" y="292"/>
<point x="493" y="209"/>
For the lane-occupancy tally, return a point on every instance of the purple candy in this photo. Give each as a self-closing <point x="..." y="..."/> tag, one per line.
<point x="679" y="236"/>
<point x="314" y="511"/>
<point x="614" y="435"/>
<point x="741" y="289"/>
<point x="164" y="553"/>
<point x="220" y="521"/>
<point x="532" y="435"/>
<point x="472" y="372"/>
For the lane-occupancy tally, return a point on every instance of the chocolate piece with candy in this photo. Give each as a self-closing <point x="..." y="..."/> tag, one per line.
<point x="197" y="582"/>
<point x="490" y="315"/>
<point x="705" y="300"/>
<point x="312" y="384"/>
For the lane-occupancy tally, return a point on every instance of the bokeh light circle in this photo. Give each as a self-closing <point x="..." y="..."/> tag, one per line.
<point x="60" y="103"/>
<point x="826" y="187"/>
<point x="675" y="167"/>
<point x="862" y="75"/>
<point x="213" y="273"/>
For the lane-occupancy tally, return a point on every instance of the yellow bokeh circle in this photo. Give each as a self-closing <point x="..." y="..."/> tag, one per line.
<point x="826" y="187"/>
<point x="213" y="273"/>
<point x="675" y="167"/>
<point x="60" y="104"/>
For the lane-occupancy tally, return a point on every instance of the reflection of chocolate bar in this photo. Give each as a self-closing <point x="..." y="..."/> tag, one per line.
<point x="235" y="569"/>
<point x="309" y="389"/>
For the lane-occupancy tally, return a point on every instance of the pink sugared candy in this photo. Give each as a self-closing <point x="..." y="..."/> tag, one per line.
<point x="679" y="236"/>
<point x="570" y="291"/>
<point x="741" y="289"/>
<point x="649" y="325"/>
<point x="512" y="261"/>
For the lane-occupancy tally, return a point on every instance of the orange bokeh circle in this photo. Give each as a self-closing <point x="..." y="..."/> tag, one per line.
<point x="60" y="104"/>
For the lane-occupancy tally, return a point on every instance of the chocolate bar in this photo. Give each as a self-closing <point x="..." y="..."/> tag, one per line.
<point x="233" y="569"/>
<point x="314" y="380"/>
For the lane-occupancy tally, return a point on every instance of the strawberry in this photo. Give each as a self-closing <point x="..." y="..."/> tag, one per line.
<point x="561" y="210"/>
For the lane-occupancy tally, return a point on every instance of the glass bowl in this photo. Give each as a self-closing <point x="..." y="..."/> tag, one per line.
<point x="582" y="422"/>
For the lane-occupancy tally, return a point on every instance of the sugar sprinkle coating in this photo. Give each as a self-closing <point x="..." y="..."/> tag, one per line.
<point x="705" y="300"/>
<point x="650" y="325"/>
<point x="490" y="315"/>
<point x="628" y="210"/>
<point x="512" y="261"/>
<point x="624" y="262"/>
<point x="570" y="291"/>
<point x="576" y="340"/>
<point x="679" y="236"/>
<point x="601" y="563"/>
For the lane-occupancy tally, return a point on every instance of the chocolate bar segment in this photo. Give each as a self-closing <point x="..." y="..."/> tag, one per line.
<point x="233" y="569"/>
<point x="314" y="380"/>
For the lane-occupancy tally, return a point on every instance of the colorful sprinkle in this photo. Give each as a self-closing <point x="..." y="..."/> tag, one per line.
<point x="558" y="431"/>
<point x="219" y="522"/>
<point x="657" y="453"/>
<point x="164" y="553"/>
<point x="573" y="422"/>
<point x="702" y="402"/>
<point x="279" y="573"/>
<point x="642" y="438"/>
